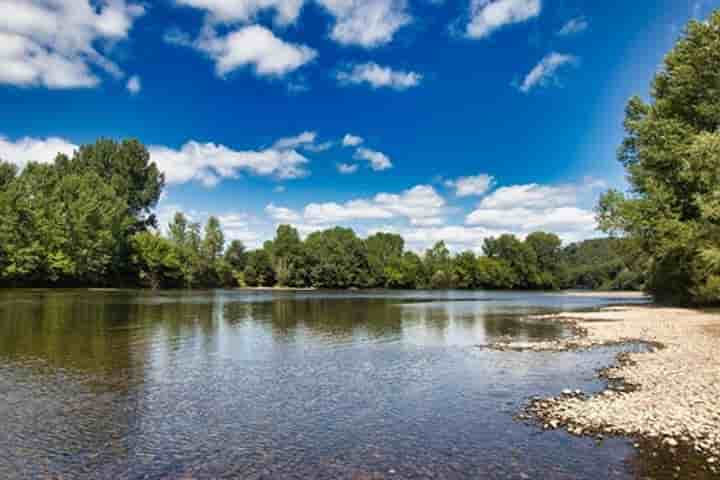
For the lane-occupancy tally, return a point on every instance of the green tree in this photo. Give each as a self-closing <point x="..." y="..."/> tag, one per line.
<point x="259" y="271"/>
<point x="385" y="251"/>
<point x="672" y="157"/>
<point x="547" y="248"/>
<point x="60" y="227"/>
<point x="518" y="256"/>
<point x="337" y="258"/>
<point x="438" y="266"/>
<point x="211" y="252"/>
<point x="157" y="259"/>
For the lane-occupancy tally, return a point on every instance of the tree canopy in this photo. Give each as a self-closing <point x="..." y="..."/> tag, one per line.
<point x="672" y="157"/>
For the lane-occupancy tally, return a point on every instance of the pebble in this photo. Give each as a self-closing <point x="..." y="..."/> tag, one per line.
<point x="671" y="392"/>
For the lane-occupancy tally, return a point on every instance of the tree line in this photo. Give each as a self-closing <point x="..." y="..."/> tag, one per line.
<point x="337" y="258"/>
<point x="87" y="220"/>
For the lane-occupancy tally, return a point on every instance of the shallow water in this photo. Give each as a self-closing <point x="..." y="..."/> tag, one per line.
<point x="229" y="384"/>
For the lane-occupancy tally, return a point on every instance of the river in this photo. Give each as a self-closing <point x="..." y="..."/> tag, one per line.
<point x="312" y="385"/>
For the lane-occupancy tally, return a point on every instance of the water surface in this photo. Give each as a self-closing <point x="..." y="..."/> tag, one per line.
<point x="230" y="384"/>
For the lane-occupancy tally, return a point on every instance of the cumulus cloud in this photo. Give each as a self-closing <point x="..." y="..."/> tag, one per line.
<point x="347" y="168"/>
<point x="487" y="16"/>
<point x="522" y="209"/>
<point x="473" y="185"/>
<point x="539" y="196"/>
<point x="228" y="11"/>
<point x="378" y="160"/>
<point x="209" y="163"/>
<point x="134" y="85"/>
<point x="57" y="44"/>
<point x="42" y="150"/>
<point x="420" y="205"/>
<point x="282" y="214"/>
<point x="573" y="27"/>
<point x="350" y="140"/>
<point x="253" y="46"/>
<point x="545" y="72"/>
<point x="367" y="23"/>
<point x="378" y="77"/>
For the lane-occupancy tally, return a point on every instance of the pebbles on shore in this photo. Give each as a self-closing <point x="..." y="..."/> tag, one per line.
<point x="669" y="395"/>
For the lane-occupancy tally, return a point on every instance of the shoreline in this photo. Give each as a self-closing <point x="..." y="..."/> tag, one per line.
<point x="667" y="396"/>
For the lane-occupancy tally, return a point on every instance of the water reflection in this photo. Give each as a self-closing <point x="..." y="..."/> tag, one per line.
<point x="221" y="384"/>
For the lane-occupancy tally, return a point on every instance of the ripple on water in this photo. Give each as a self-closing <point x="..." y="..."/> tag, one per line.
<point x="222" y="385"/>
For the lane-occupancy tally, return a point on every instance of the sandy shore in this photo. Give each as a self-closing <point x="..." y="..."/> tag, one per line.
<point x="669" y="395"/>
<point x="604" y="294"/>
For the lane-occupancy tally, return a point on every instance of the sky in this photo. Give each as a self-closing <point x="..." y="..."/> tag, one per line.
<point x="445" y="120"/>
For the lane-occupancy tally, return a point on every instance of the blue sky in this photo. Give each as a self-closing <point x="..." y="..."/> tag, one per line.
<point x="437" y="119"/>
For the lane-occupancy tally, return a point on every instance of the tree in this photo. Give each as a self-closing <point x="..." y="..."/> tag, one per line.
<point x="466" y="270"/>
<point x="287" y="252"/>
<point x="127" y="168"/>
<point x="548" y="253"/>
<point x="186" y="237"/>
<point x="60" y="227"/>
<point x="438" y="265"/>
<point x="672" y="156"/>
<point x="384" y="250"/>
<point x="519" y="257"/>
<point x="236" y="256"/>
<point x="211" y="252"/>
<point x="156" y="258"/>
<point x="8" y="172"/>
<point x="337" y="258"/>
<point x="259" y="271"/>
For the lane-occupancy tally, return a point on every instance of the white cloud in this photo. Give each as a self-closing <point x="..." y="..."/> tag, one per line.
<point x="208" y="163"/>
<point x="347" y="168"/>
<point x="378" y="77"/>
<point x="367" y="23"/>
<point x="574" y="26"/>
<point x="134" y="85"/>
<point x="303" y="139"/>
<point x="561" y="219"/>
<point x="522" y="209"/>
<point x="282" y="214"/>
<point x="252" y="46"/>
<point x="56" y="44"/>
<point x="545" y="72"/>
<point x="236" y="227"/>
<point x="229" y="11"/>
<point x="378" y="160"/>
<point x="487" y="16"/>
<point x="533" y="194"/>
<point x="420" y="205"/>
<point x="24" y="150"/>
<point x="473" y="185"/>
<point x="350" y="140"/>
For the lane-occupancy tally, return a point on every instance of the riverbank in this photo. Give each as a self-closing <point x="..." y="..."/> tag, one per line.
<point x="668" y="395"/>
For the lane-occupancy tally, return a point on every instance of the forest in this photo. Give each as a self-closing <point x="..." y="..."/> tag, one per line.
<point x="87" y="220"/>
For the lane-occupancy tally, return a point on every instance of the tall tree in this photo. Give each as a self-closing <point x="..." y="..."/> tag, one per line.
<point x="672" y="157"/>
<point x="384" y="250"/>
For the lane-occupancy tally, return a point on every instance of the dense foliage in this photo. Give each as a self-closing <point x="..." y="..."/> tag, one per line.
<point x="72" y="221"/>
<point x="87" y="220"/>
<point x="672" y="157"/>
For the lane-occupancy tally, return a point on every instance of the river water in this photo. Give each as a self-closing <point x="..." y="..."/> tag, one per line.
<point x="229" y="384"/>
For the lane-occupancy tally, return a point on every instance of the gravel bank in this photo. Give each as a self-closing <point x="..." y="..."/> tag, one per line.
<point x="669" y="395"/>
